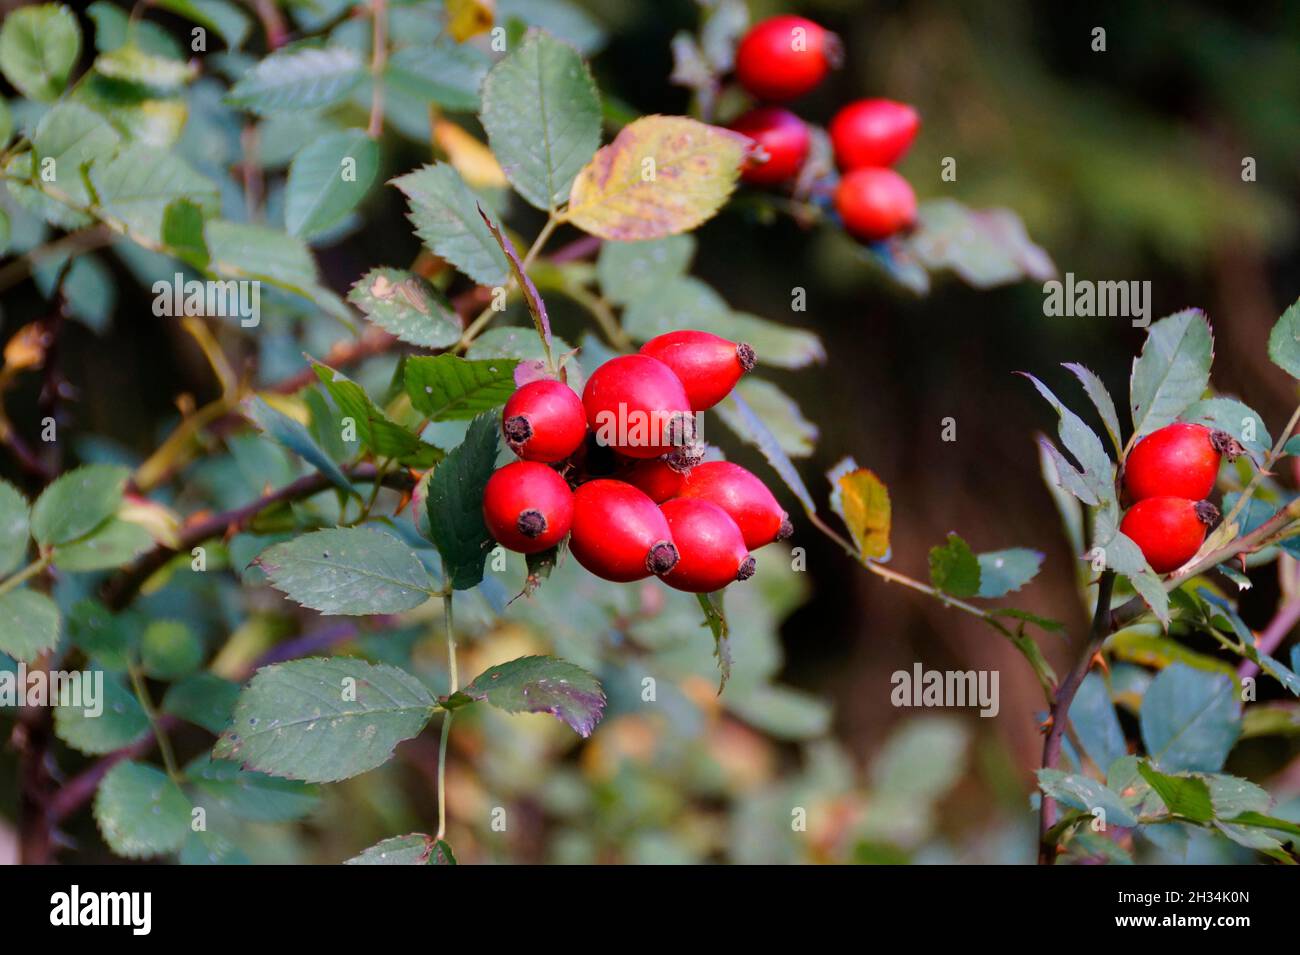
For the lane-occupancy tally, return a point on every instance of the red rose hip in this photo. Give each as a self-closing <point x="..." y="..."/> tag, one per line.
<point x="657" y="478"/>
<point x="782" y="136"/>
<point x="1168" y="530"/>
<point x="527" y="507"/>
<point x="1179" y="460"/>
<point x="875" y="203"/>
<point x="707" y="365"/>
<point x="743" y="496"/>
<point x="784" y="57"/>
<point x="711" y="550"/>
<point x="873" y="132"/>
<point x="620" y="534"/>
<point x="544" y="421"/>
<point x="636" y="405"/>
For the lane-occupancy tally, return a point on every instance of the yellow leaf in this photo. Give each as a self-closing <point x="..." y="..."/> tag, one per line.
<point x="661" y="175"/>
<point x="473" y="160"/>
<point x="864" y="505"/>
<point x="288" y="405"/>
<point x="162" y="523"/>
<point x="467" y="18"/>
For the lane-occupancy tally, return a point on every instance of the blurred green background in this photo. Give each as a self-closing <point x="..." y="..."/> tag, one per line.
<point x="1124" y="165"/>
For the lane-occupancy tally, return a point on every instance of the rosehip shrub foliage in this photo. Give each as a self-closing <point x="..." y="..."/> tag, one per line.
<point x="260" y="590"/>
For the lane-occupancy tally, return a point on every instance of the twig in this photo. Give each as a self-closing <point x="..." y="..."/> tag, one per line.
<point x="121" y="589"/>
<point x="447" y="714"/>
<point x="1060" y="710"/>
<point x="378" y="60"/>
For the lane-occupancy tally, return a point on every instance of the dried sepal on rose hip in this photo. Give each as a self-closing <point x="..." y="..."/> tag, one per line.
<point x="619" y="534"/>
<point x="782" y="142"/>
<point x="873" y="132"/>
<point x="875" y="203"/>
<point x="711" y="550"/>
<point x="544" y="421"/>
<point x="527" y="507"/>
<point x="783" y="57"/>
<point x="1168" y="530"/>
<point x="638" y="406"/>
<point x="708" y="365"/>
<point x="1178" y="460"/>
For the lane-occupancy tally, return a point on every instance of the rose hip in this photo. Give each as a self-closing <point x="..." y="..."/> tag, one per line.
<point x="527" y="507"/>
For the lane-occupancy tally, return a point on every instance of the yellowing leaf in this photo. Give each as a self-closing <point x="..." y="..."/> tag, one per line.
<point x="473" y="160"/>
<point x="26" y="349"/>
<point x="862" y="501"/>
<point x="661" y="175"/>
<point x="467" y="18"/>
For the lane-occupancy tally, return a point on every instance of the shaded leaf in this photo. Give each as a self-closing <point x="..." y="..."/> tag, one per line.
<point x="542" y="685"/>
<point x="299" y="79"/>
<point x="77" y="502"/>
<point x="1173" y="370"/>
<point x="407" y="306"/>
<point x="542" y="116"/>
<point x="795" y="434"/>
<point x="446" y="218"/>
<point x="327" y="180"/>
<point x="295" y="436"/>
<point x="347" y="570"/>
<point x="632" y="271"/>
<point x="115" y="720"/>
<point x="1005" y="571"/>
<point x="245" y="794"/>
<point x="39" y="45"/>
<point x="1085" y="793"/>
<point x="1190" y="719"/>
<point x="455" y="503"/>
<point x="141" y="812"/>
<point x="321" y="720"/>
<point x="14" y="529"/>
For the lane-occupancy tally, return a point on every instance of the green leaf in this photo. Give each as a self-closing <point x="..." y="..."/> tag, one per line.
<point x="1098" y="470"/>
<point x="182" y="233"/>
<point x="297" y="439"/>
<point x="230" y="23"/>
<point x="455" y="503"/>
<point x="137" y="186"/>
<point x="1267" y="822"/>
<point x="211" y="848"/>
<point x="375" y="429"/>
<point x="561" y="18"/>
<point x="750" y="428"/>
<point x="327" y="180"/>
<point x="445" y="387"/>
<point x="120" y="720"/>
<point x="39" y="45"/>
<point x="446" y="218"/>
<point x="795" y="434"/>
<point x="169" y="650"/>
<point x="1101" y="400"/>
<point x="1085" y="793"/>
<point x="862" y="502"/>
<point x="716" y="620"/>
<point x="131" y="64"/>
<point x="542" y="685"/>
<point x="1092" y="714"/>
<point x="984" y="247"/>
<point x="112" y="544"/>
<point x="632" y="271"/>
<point x="687" y="303"/>
<point x="78" y="502"/>
<point x="14" y="529"/>
<point x="1173" y="370"/>
<point x="108" y="640"/>
<point x="448" y="74"/>
<point x="29" y="624"/>
<point x="1235" y="417"/>
<point x="413" y="849"/>
<point x="71" y="137"/>
<point x="322" y="720"/>
<point x="1143" y="644"/>
<point x="1233" y="796"/>
<point x="245" y="794"/>
<point x="780" y="711"/>
<point x="203" y="699"/>
<point x="1190" y="719"/>
<point x="299" y="79"/>
<point x="407" y="306"/>
<point x="141" y="812"/>
<point x="257" y="252"/>
<point x="1186" y="796"/>
<point x="661" y="175"/>
<point x="1284" y="341"/>
<point x="1005" y="571"/>
<point x="954" y="568"/>
<point x="542" y="116"/>
<point x="347" y="570"/>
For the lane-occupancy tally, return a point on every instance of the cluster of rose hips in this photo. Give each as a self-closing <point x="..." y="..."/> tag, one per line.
<point x="1167" y="477"/>
<point x="783" y="58"/>
<point x="621" y="472"/>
